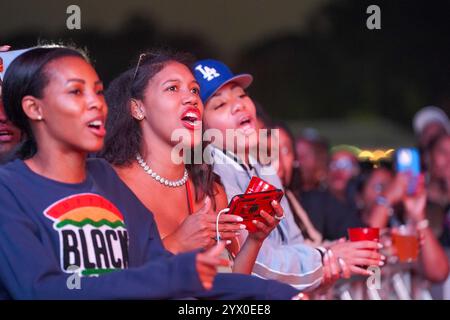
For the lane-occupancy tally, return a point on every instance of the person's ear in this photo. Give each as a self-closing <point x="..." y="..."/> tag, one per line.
<point x="32" y="108"/>
<point x="137" y="110"/>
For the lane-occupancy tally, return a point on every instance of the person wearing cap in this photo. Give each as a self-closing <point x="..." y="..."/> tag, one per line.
<point x="438" y="185"/>
<point x="428" y="123"/>
<point x="283" y="256"/>
<point x="10" y="135"/>
<point x="191" y="215"/>
<point x="438" y="196"/>
<point x="69" y="228"/>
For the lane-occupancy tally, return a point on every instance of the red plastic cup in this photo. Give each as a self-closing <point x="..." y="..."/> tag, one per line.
<point x="258" y="185"/>
<point x="360" y="234"/>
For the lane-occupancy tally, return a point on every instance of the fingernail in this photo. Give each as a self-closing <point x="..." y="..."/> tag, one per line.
<point x="228" y="241"/>
<point x="254" y="221"/>
<point x="380" y="245"/>
<point x="242" y="226"/>
<point x="381" y="263"/>
<point x="274" y="202"/>
<point x="383" y="257"/>
<point x="237" y="233"/>
<point x="239" y="219"/>
<point x="330" y="253"/>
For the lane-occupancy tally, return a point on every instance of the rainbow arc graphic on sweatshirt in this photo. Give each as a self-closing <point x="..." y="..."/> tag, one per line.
<point x="92" y="232"/>
<point x="83" y="209"/>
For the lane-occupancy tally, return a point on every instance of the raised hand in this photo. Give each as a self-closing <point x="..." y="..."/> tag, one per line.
<point x="415" y="204"/>
<point x="208" y="262"/>
<point x="396" y="190"/>
<point x="198" y="230"/>
<point x="357" y="254"/>
<point x="265" y="228"/>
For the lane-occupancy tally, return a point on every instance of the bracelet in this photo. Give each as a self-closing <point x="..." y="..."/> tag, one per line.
<point x="423" y="224"/>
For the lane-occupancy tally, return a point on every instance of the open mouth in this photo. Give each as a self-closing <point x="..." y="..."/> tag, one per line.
<point x="191" y="119"/>
<point x="6" y="136"/>
<point x="244" y="121"/>
<point x="246" y="125"/>
<point x="97" y="127"/>
<point x="5" y="133"/>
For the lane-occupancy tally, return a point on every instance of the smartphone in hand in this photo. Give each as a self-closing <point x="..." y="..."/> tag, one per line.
<point x="249" y="205"/>
<point x="407" y="160"/>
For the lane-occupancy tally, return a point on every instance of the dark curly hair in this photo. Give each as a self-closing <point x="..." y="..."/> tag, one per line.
<point x="124" y="135"/>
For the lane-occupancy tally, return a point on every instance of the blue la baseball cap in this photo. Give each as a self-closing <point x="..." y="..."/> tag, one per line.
<point x="213" y="75"/>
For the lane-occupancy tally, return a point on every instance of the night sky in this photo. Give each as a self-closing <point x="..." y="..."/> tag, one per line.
<point x="228" y="24"/>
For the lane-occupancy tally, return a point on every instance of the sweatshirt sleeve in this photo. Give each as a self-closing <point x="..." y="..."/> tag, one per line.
<point x="30" y="270"/>
<point x="233" y="286"/>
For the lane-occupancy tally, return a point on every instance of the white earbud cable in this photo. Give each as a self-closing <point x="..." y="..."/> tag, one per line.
<point x="217" y="223"/>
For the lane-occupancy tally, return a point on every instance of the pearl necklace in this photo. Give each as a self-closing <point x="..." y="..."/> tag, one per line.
<point x="163" y="181"/>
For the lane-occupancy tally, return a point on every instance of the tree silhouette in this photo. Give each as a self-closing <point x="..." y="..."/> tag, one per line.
<point x="339" y="68"/>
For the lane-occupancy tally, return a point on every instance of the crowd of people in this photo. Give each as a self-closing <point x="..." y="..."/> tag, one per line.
<point x="93" y="183"/>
